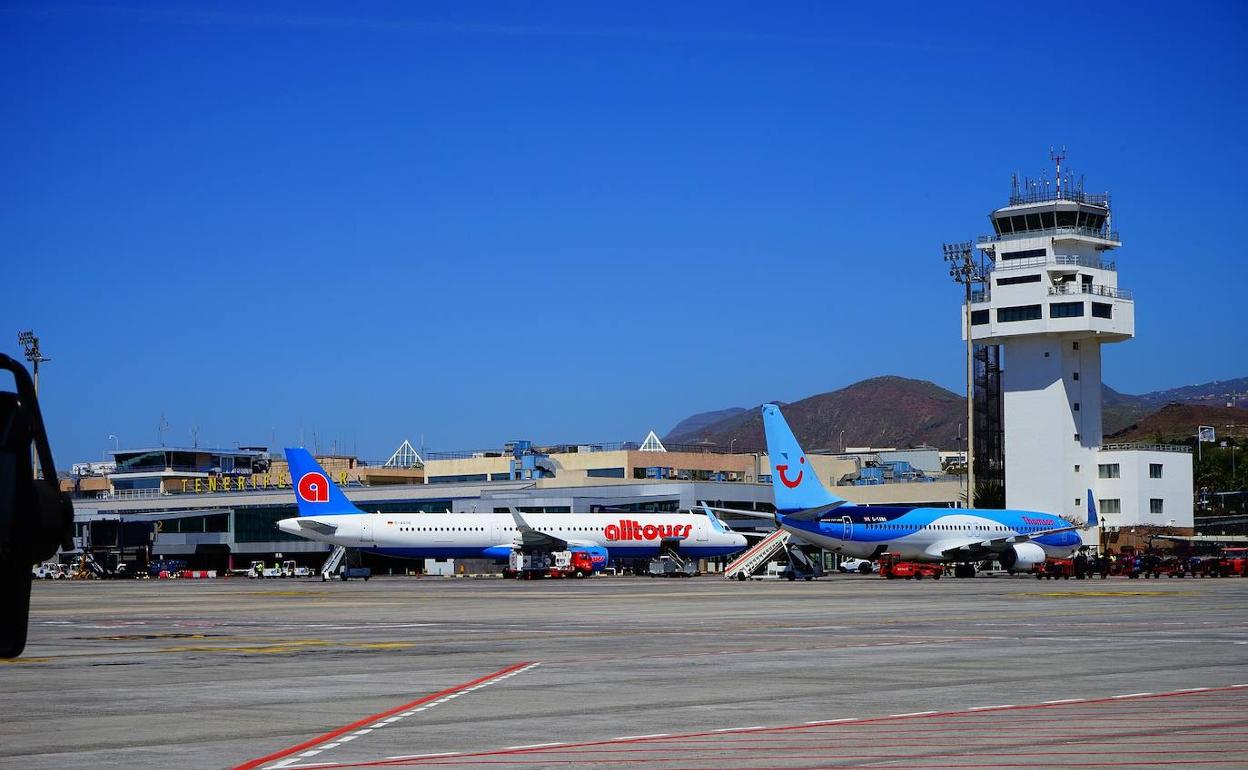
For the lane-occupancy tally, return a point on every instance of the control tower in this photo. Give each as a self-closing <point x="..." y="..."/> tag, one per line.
<point x="1049" y="298"/>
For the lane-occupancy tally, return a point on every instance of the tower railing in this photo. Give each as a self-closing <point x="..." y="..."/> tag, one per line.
<point x="1065" y="194"/>
<point x="1096" y="290"/>
<point x="1060" y="259"/>
<point x="1090" y="232"/>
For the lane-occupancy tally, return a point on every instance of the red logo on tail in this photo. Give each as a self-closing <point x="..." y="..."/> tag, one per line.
<point x="314" y="487"/>
<point x="785" y="479"/>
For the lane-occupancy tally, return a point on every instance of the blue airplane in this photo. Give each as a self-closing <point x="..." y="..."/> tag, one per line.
<point x="1019" y="540"/>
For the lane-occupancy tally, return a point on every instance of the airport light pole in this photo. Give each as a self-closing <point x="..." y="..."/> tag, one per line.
<point x="963" y="270"/>
<point x="30" y="343"/>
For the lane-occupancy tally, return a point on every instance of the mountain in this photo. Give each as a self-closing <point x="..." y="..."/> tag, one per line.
<point x="882" y="411"/>
<point x="897" y="411"/>
<point x="690" y="429"/>
<point x="1216" y="393"/>
<point x="1175" y="423"/>
<point x="1119" y="410"/>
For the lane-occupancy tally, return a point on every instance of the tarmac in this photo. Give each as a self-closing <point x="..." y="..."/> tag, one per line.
<point x="623" y="672"/>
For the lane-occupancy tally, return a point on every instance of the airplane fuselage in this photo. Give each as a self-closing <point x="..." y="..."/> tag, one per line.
<point x="495" y="536"/>
<point x="926" y="534"/>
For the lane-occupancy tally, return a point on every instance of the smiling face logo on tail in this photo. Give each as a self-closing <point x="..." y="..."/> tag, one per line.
<point x="314" y="487"/>
<point x="784" y="476"/>
<point x="794" y="488"/>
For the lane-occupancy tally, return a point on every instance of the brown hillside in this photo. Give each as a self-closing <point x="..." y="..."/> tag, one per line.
<point x="1178" y="422"/>
<point x="883" y="411"/>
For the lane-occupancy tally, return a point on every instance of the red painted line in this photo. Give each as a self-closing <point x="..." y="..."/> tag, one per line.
<point x="484" y="757"/>
<point x="253" y="763"/>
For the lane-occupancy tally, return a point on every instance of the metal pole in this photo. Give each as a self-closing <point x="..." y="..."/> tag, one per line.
<point x="970" y="405"/>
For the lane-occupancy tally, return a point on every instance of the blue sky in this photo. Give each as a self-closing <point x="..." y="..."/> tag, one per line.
<point x="471" y="222"/>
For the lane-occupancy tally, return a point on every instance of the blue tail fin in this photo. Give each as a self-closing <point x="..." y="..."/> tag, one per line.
<point x="1092" y="518"/>
<point x="796" y="484"/>
<point x="315" y="493"/>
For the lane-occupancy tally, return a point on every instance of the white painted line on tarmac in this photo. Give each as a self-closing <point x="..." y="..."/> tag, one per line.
<point x="832" y="721"/>
<point x="1193" y="689"/>
<point x="1131" y="695"/>
<point x="1066" y="700"/>
<point x="914" y="714"/>
<point x="537" y="745"/>
<point x="639" y="737"/>
<point x="986" y="708"/>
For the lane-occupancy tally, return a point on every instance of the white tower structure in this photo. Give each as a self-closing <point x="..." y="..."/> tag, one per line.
<point x="1050" y="299"/>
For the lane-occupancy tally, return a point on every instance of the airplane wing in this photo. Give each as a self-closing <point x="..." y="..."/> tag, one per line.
<point x="742" y="512"/>
<point x="970" y="547"/>
<point x="316" y="526"/>
<point x="531" y="538"/>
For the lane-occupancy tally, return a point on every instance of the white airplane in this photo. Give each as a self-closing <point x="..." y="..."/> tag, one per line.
<point x="1019" y="540"/>
<point x="327" y="515"/>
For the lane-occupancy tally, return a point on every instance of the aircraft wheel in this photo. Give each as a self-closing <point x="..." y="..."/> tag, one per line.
<point x="741" y="577"/>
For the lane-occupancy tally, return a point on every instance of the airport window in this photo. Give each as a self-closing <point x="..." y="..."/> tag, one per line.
<point x="1024" y="254"/>
<point x="1016" y="279"/>
<point x="979" y="317"/>
<point x="1076" y="469"/>
<point x="1108" y="471"/>
<point x="1065" y="310"/>
<point x="1102" y="310"/>
<point x="1155" y="505"/>
<point x="1019" y="313"/>
<point x="1154" y="470"/>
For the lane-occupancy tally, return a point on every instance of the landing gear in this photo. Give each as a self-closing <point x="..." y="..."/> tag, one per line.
<point x="964" y="570"/>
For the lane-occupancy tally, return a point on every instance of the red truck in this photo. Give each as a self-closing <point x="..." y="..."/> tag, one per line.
<point x="1054" y="569"/>
<point x="893" y="568"/>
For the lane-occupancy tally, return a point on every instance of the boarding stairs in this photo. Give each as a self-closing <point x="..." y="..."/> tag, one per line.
<point x="757" y="557"/>
<point x="331" y="564"/>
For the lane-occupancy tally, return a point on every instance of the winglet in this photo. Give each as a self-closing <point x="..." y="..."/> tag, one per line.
<point x="521" y="525"/>
<point x="716" y="524"/>
<point x="1092" y="517"/>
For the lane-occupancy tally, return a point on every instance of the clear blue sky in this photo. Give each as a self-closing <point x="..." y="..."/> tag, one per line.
<point x="575" y="222"/>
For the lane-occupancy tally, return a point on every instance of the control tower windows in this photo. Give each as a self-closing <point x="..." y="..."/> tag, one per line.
<point x="1066" y="310"/>
<point x="1102" y="310"/>
<point x="1019" y="313"/>
<point x="1024" y="254"/>
<point x="979" y="317"/>
<point x="1067" y="218"/>
<point x="1012" y="280"/>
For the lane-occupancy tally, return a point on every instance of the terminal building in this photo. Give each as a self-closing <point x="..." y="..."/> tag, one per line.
<point x="229" y="519"/>
<point x="1048" y="301"/>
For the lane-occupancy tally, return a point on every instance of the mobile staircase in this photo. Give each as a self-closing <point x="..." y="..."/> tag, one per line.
<point x="756" y="557"/>
<point x="331" y="564"/>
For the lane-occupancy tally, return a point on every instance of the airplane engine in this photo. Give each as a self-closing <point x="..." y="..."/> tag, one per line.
<point x="1021" y="557"/>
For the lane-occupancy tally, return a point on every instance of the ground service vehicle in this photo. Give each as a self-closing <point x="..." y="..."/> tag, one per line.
<point x="1053" y="569"/>
<point x="861" y="566"/>
<point x="36" y="517"/>
<point x="893" y="568"/>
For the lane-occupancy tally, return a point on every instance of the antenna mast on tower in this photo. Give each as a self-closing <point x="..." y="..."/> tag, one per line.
<point x="1057" y="157"/>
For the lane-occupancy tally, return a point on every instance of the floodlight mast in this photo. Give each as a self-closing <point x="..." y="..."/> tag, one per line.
<point x="30" y="344"/>
<point x="963" y="270"/>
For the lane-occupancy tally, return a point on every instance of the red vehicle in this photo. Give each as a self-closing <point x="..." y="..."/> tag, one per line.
<point x="892" y="568"/>
<point x="1236" y="559"/>
<point x="1054" y="569"/>
<point x="580" y="564"/>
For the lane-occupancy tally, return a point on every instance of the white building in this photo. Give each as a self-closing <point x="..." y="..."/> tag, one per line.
<point x="1050" y="299"/>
